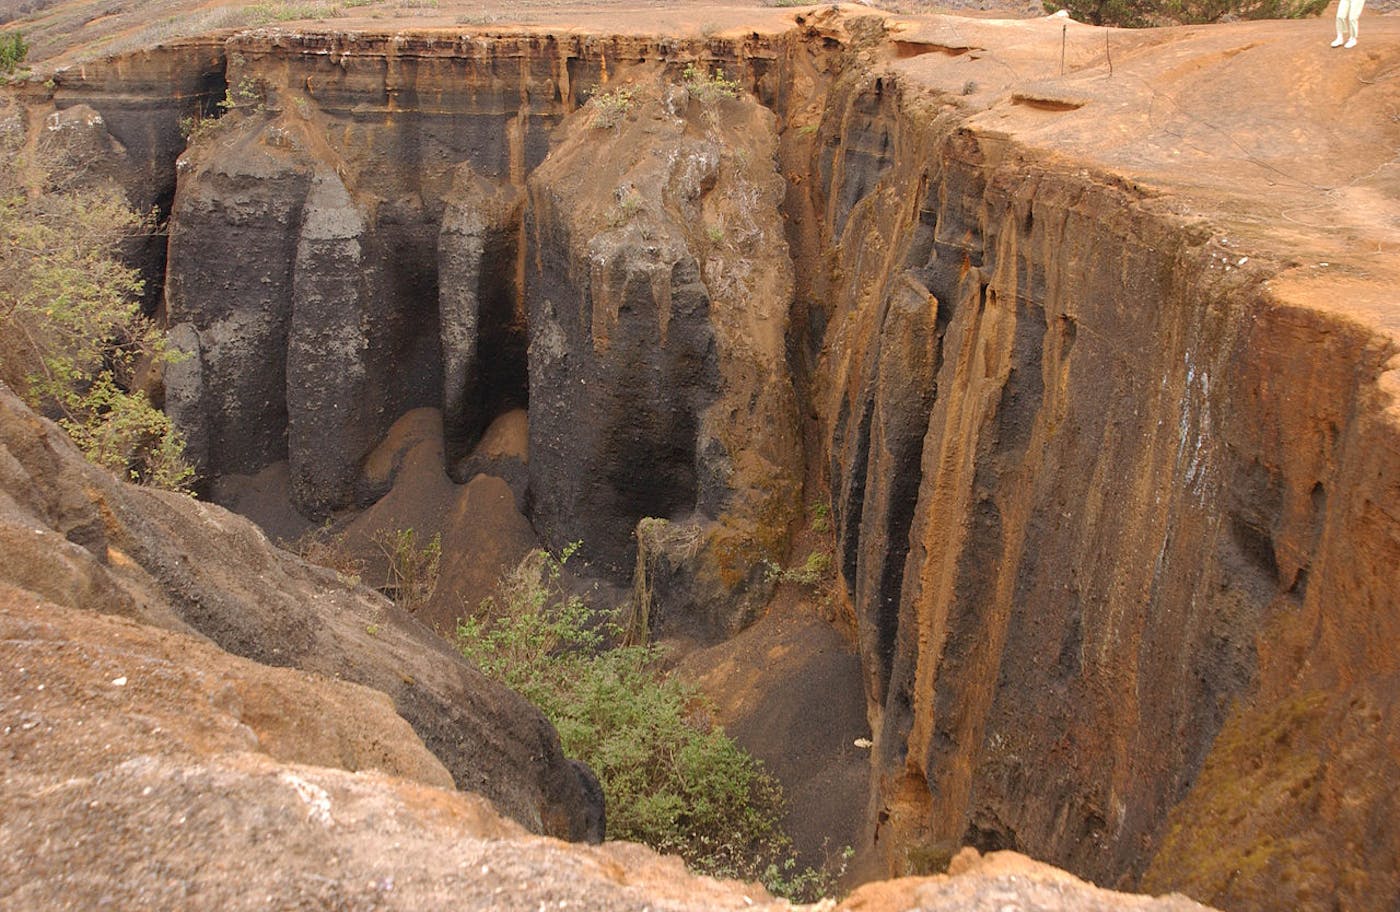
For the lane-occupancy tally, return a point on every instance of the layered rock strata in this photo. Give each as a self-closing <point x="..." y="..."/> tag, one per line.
<point x="1114" y="493"/>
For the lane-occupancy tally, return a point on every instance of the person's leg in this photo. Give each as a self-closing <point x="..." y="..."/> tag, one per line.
<point x="1354" y="21"/>
<point x="1341" y="22"/>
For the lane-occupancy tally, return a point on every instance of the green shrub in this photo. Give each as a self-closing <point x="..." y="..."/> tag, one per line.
<point x="815" y="570"/>
<point x="708" y="88"/>
<point x="13" y="50"/>
<point x="73" y="338"/>
<point x="673" y="779"/>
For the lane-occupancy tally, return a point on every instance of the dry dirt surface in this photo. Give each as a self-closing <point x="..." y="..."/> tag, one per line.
<point x="82" y="29"/>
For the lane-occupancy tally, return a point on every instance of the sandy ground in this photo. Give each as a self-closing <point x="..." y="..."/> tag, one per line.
<point x="61" y="32"/>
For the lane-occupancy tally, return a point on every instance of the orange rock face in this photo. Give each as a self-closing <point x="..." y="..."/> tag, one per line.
<point x="1146" y="480"/>
<point x="1093" y="333"/>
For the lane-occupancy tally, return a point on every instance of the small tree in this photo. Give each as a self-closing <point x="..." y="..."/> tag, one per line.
<point x="73" y="339"/>
<point x="13" y="50"/>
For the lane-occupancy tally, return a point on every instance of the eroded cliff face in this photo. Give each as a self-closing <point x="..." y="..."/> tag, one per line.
<point x="1116" y="524"/>
<point x="357" y="238"/>
<point x="659" y="302"/>
<point x="1085" y="485"/>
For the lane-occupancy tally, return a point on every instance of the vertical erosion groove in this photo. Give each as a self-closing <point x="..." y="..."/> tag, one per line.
<point x="1104" y="515"/>
<point x="1082" y="526"/>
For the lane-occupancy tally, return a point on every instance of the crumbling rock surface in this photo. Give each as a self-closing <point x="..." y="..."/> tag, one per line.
<point x="149" y="769"/>
<point x="1002" y="880"/>
<point x="76" y="537"/>
<point x="659" y="291"/>
<point x="1109" y="424"/>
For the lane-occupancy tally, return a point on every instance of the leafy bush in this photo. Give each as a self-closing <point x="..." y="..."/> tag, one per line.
<point x="72" y="335"/>
<point x="1142" y="13"/>
<point x="673" y="779"/>
<point x="13" y="50"/>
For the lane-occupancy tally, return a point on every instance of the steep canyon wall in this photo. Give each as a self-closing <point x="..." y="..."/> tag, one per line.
<point x="1086" y="484"/>
<point x="1097" y="499"/>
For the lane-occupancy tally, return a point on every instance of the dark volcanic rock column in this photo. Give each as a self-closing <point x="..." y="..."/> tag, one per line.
<point x="481" y="322"/>
<point x="658" y="284"/>
<point x="327" y="382"/>
<point x="234" y="233"/>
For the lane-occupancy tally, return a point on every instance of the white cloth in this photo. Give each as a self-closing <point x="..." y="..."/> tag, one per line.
<point x="1348" y="14"/>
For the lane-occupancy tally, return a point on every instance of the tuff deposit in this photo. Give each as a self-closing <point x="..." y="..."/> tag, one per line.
<point x="1089" y="338"/>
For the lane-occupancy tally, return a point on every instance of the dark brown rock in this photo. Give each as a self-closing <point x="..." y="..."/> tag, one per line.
<point x="484" y="538"/>
<point x="658" y="307"/>
<point x="328" y="383"/>
<point x="228" y="295"/>
<point x="168" y="559"/>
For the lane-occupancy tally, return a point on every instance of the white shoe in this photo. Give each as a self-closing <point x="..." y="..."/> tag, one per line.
<point x="1351" y="43"/>
<point x="1338" y="42"/>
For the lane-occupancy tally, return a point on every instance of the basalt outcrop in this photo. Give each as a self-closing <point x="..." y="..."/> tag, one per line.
<point x="1109" y="431"/>
<point x="77" y="538"/>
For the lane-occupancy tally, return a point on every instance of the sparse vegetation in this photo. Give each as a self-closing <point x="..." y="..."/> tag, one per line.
<point x="629" y="203"/>
<point x="813" y="570"/>
<point x="1144" y="13"/>
<point x="73" y="339"/>
<point x="13" y="51"/>
<point x="709" y="88"/>
<point x="285" y="11"/>
<point x="412" y="567"/>
<point x="479" y="18"/>
<point x="673" y="779"/>
<point x="414" y="7"/>
<point x="324" y="548"/>
<point x="249" y="95"/>
<point x="610" y="108"/>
